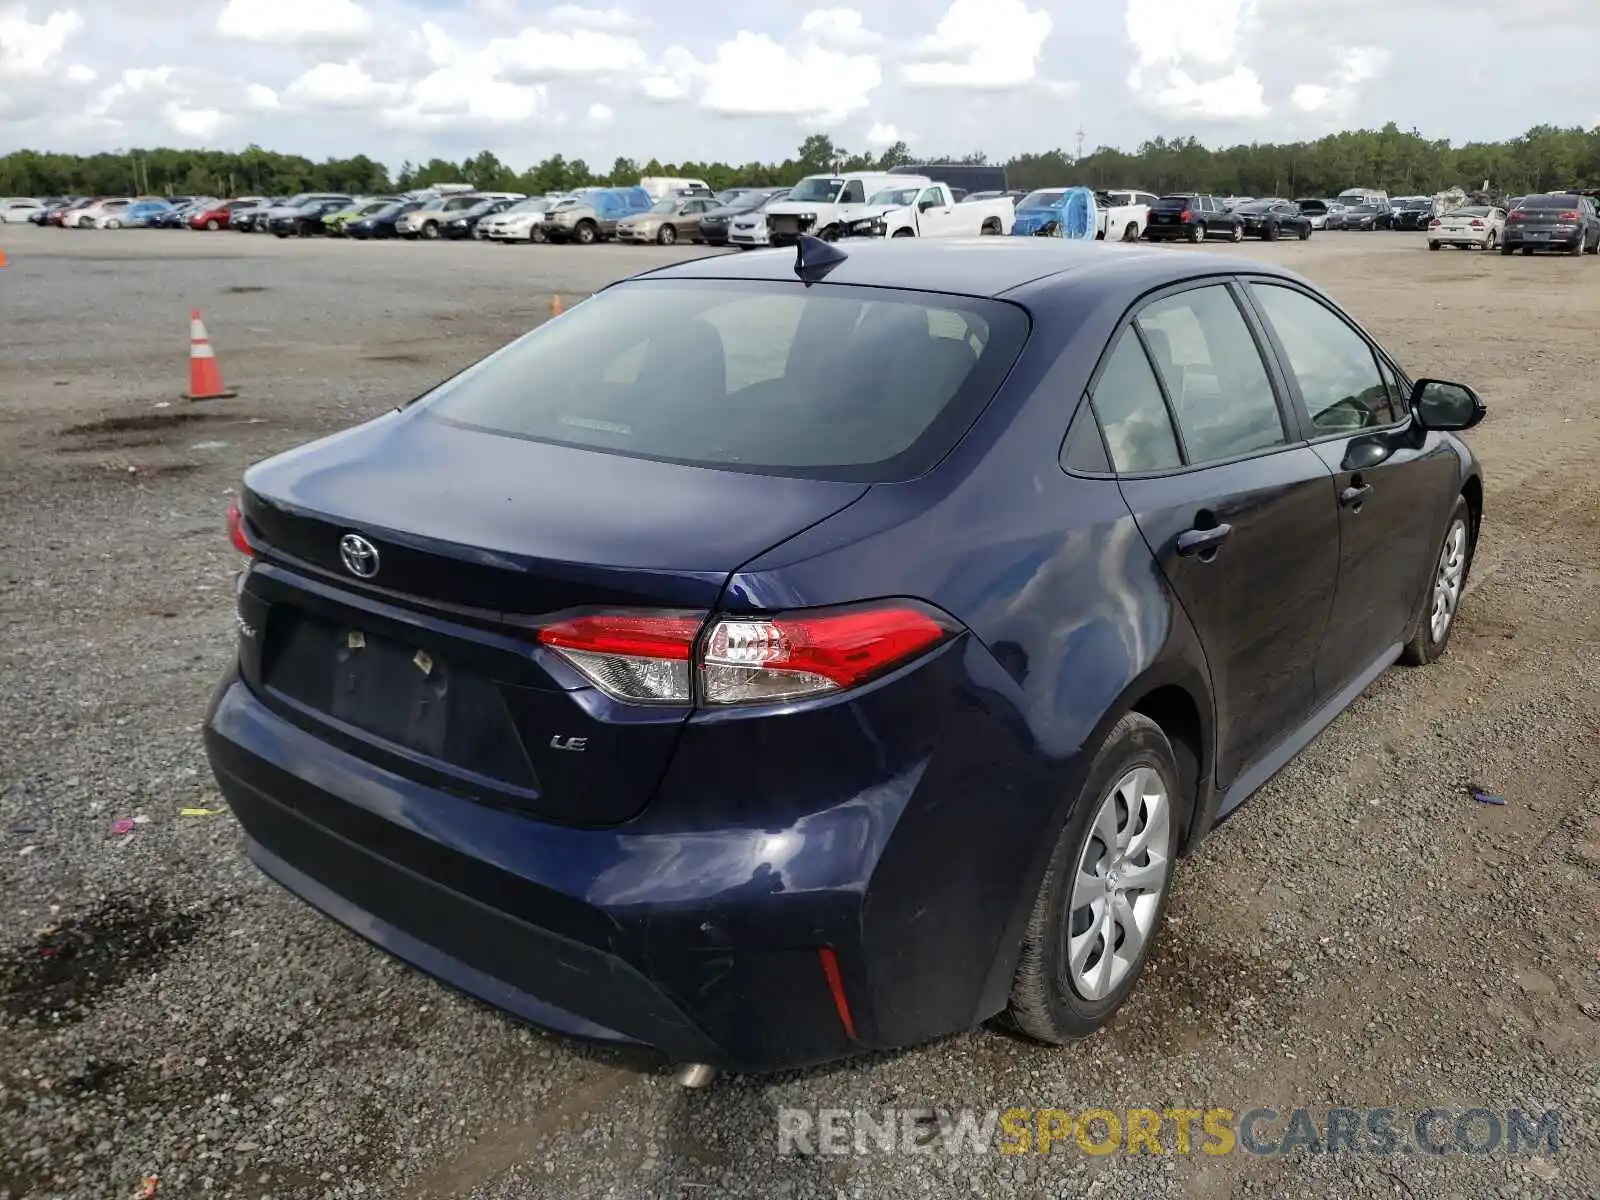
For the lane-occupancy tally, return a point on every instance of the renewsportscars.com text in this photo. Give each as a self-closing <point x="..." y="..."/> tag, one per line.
<point x="1213" y="1131"/>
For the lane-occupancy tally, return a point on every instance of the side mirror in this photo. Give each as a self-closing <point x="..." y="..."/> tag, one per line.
<point x="1442" y="405"/>
<point x="925" y="205"/>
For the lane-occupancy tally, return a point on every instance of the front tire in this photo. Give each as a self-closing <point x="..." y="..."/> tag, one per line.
<point x="1507" y="250"/>
<point x="667" y="236"/>
<point x="430" y="231"/>
<point x="1104" y="894"/>
<point x="213" y="225"/>
<point x="1305" y="233"/>
<point x="1441" y="603"/>
<point x="1237" y="234"/>
<point x="586" y="233"/>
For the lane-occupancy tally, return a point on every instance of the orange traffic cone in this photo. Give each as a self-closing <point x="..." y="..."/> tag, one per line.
<point x="205" y="377"/>
<point x="555" y="305"/>
<point x="3" y="263"/>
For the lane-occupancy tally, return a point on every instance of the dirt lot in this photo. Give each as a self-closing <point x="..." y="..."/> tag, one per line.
<point x="1364" y="933"/>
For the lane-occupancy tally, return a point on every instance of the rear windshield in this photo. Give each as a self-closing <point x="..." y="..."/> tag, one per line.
<point x="1042" y="199"/>
<point x="828" y="382"/>
<point x="1174" y="203"/>
<point x="1550" y="202"/>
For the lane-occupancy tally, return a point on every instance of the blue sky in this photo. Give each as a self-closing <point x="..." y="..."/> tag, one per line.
<point x="403" y="79"/>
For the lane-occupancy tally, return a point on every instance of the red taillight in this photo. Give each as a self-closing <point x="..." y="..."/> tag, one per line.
<point x="1513" y="216"/>
<point x="236" y="532"/>
<point x="1476" y="223"/>
<point x="1569" y="216"/>
<point x="1185" y="215"/>
<point x="646" y="657"/>
<point x="1435" y="223"/>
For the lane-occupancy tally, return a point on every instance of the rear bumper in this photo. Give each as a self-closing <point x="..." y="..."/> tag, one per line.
<point x="699" y="927"/>
<point x="1560" y="240"/>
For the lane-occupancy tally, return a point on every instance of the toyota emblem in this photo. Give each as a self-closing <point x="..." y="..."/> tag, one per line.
<point x="360" y="556"/>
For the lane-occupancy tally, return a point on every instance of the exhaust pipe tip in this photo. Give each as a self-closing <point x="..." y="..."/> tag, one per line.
<point x="696" y="1075"/>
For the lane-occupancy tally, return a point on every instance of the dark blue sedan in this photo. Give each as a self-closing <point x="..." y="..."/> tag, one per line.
<point x="769" y="668"/>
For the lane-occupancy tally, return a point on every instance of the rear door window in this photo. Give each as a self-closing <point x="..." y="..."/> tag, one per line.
<point x="1213" y="374"/>
<point x="1133" y="414"/>
<point x="858" y="384"/>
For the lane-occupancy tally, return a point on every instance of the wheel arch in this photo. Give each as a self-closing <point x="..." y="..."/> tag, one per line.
<point x="1175" y="693"/>
<point x="1472" y="492"/>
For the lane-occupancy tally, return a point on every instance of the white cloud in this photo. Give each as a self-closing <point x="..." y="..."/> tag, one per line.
<point x="258" y="95"/>
<point x="575" y="16"/>
<point x="838" y="29"/>
<point x="29" y="50"/>
<point x="81" y="73"/>
<point x="294" y="21"/>
<point x="601" y="114"/>
<point x="1236" y="96"/>
<point x="981" y="44"/>
<point x="343" y="86"/>
<point x="541" y="54"/>
<point x="197" y="124"/>
<point x="1311" y="97"/>
<point x="1196" y="66"/>
<point x="882" y="136"/>
<point x="752" y="76"/>
<point x="673" y="77"/>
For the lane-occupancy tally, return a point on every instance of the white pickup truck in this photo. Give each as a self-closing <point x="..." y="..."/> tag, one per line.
<point x="922" y="208"/>
<point x="1122" y="215"/>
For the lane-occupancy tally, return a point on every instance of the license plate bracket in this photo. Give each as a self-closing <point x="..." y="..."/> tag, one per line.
<point x="398" y="693"/>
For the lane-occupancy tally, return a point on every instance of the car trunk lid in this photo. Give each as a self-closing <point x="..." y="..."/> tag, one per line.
<point x="431" y="663"/>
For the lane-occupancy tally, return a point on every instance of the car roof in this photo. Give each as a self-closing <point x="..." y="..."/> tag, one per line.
<point x="981" y="266"/>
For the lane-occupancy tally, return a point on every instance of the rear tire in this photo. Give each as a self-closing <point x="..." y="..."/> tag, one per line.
<point x="900" y="233"/>
<point x="1305" y="233"/>
<point x="1238" y="234"/>
<point x="213" y="225"/>
<point x="1507" y="250"/>
<point x="1446" y="588"/>
<point x="1197" y="233"/>
<point x="1049" y="1000"/>
<point x="1433" y="245"/>
<point x="1490" y="242"/>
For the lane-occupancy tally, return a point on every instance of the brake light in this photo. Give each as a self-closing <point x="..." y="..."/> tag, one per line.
<point x="236" y="531"/>
<point x="1435" y="223"/>
<point x="1476" y="223"/>
<point x="661" y="657"/>
<point x="1185" y="215"/>
<point x="1514" y="216"/>
<point x="1569" y="216"/>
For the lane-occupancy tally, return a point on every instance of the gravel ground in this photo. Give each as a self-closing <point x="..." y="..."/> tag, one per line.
<point x="1362" y="934"/>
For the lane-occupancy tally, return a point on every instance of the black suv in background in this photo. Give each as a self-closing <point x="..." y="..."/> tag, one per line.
<point x="1410" y="213"/>
<point x="1556" y="221"/>
<point x="1193" y="218"/>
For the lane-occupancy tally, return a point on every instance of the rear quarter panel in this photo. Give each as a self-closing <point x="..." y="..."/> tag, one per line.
<point x="1070" y="622"/>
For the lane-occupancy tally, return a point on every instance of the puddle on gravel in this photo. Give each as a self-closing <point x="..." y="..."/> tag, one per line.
<point x="59" y="974"/>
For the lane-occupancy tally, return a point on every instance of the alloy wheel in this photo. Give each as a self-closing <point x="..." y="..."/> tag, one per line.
<point x="1447" y="580"/>
<point x="1117" y="889"/>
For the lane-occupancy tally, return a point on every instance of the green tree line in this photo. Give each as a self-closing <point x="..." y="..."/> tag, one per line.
<point x="1401" y="161"/>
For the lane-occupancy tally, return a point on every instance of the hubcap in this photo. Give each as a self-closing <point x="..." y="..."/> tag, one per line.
<point x="1447" y="581"/>
<point x="1117" y="888"/>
